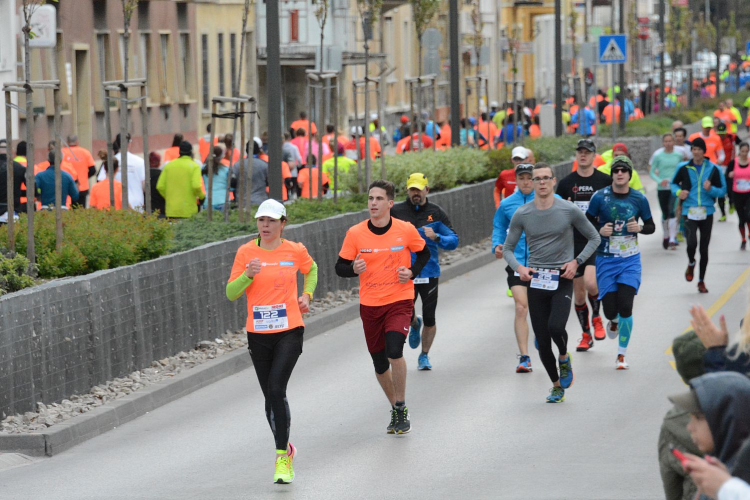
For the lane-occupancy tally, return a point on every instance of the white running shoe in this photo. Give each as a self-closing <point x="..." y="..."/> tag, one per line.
<point x="613" y="333"/>
<point x="621" y="364"/>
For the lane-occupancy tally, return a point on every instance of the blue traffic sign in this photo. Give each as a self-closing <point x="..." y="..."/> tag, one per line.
<point x="613" y="49"/>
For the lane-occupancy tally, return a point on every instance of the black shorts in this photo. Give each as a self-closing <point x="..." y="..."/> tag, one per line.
<point x="514" y="279"/>
<point x="590" y="262"/>
<point x="429" y="294"/>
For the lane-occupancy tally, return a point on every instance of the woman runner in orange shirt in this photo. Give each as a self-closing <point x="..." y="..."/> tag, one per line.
<point x="265" y="270"/>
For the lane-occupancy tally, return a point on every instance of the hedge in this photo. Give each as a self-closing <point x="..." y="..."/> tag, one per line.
<point x="93" y="240"/>
<point x="15" y="274"/>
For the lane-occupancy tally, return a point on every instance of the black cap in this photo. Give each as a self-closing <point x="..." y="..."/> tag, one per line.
<point x="186" y="149"/>
<point x="524" y="168"/>
<point x="698" y="142"/>
<point x="586" y="144"/>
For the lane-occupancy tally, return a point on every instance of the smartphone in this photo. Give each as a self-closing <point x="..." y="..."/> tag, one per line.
<point x="678" y="455"/>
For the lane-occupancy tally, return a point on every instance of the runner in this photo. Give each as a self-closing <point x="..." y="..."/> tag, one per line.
<point x="274" y="324"/>
<point x="663" y="167"/>
<point x="698" y="183"/>
<point x="505" y="184"/>
<point x="436" y="229"/>
<point x="615" y="211"/>
<point x="714" y="148"/>
<point x="739" y="174"/>
<point x="504" y="214"/>
<point x="548" y="225"/>
<point x="378" y="250"/>
<point x="579" y="187"/>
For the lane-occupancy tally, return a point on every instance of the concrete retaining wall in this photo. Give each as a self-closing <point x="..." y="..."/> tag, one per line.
<point x="66" y="336"/>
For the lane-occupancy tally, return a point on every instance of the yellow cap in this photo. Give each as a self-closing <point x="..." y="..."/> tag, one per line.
<point x="707" y="122"/>
<point x="417" y="180"/>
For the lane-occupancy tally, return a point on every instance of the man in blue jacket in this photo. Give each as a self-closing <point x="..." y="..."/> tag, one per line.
<point x="524" y="194"/>
<point x="698" y="183"/>
<point x="436" y="229"/>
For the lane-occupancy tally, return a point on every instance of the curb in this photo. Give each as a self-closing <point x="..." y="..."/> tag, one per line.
<point x="69" y="433"/>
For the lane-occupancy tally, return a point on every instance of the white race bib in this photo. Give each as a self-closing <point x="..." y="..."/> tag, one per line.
<point x="421" y="281"/>
<point x="270" y="318"/>
<point x="743" y="185"/>
<point x="623" y="246"/>
<point x="697" y="213"/>
<point x="583" y="205"/>
<point x="545" y="279"/>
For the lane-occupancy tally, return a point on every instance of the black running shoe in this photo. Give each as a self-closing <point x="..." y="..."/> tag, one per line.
<point x="391" y="429"/>
<point x="403" y="424"/>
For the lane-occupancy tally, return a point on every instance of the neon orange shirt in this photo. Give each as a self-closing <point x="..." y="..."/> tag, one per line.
<point x="378" y="285"/>
<point x="713" y="145"/>
<point x="99" y="198"/>
<point x="81" y="160"/>
<point x="303" y="124"/>
<point x="171" y="154"/>
<point x="272" y="296"/>
<point x="303" y="181"/>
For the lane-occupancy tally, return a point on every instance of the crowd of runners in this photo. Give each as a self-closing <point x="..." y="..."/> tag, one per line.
<point x="569" y="240"/>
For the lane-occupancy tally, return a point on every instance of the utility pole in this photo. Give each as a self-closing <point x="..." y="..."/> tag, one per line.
<point x="558" y="70"/>
<point x="455" y="76"/>
<point x="273" y="87"/>
<point x="662" y="82"/>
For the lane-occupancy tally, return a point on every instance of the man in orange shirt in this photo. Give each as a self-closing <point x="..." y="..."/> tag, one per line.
<point x="307" y="177"/>
<point x="714" y="146"/>
<point x="488" y="130"/>
<point x="100" y="192"/>
<point x="303" y="123"/>
<point x="378" y="250"/>
<point x="174" y="152"/>
<point x="83" y="163"/>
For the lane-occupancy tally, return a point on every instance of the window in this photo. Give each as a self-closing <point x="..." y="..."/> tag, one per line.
<point x="186" y="62"/>
<point x="121" y="48"/>
<point x="220" y="40"/>
<point x="59" y="72"/>
<point x="145" y="50"/>
<point x="143" y="21"/>
<point x="233" y="61"/>
<point x="294" y="26"/>
<point x="164" y="45"/>
<point x="388" y="41"/>
<point x="103" y="55"/>
<point x="204" y="74"/>
<point x="182" y="16"/>
<point x="100" y="14"/>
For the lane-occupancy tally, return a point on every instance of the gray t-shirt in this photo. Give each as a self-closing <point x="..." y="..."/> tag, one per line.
<point x="549" y="234"/>
<point x="259" y="178"/>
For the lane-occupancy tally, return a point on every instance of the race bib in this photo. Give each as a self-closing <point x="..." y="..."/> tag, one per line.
<point x="545" y="279"/>
<point x="269" y="318"/>
<point x="421" y="281"/>
<point x="743" y="185"/>
<point x="623" y="246"/>
<point x="697" y="213"/>
<point x="583" y="205"/>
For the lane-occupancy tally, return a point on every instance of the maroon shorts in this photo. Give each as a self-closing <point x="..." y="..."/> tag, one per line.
<point x="376" y="320"/>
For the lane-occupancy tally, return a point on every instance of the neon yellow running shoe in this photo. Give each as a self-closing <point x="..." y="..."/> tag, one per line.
<point x="284" y="471"/>
<point x="509" y="293"/>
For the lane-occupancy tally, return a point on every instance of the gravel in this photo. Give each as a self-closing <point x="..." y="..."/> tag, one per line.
<point x="51" y="414"/>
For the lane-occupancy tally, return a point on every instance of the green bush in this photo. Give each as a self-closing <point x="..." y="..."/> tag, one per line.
<point x="15" y="274"/>
<point x="92" y="240"/>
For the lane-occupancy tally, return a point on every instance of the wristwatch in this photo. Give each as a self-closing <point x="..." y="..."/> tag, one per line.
<point x="579" y="261"/>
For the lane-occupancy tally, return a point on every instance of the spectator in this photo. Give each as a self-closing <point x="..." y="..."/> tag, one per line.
<point x="64" y="166"/>
<point x="180" y="184"/>
<point x="136" y="175"/>
<point x="174" y="152"/>
<point x="84" y="165"/>
<point x="220" y="181"/>
<point x="18" y="180"/>
<point x="308" y="177"/>
<point x="234" y="157"/>
<point x="258" y="175"/>
<point x="468" y="134"/>
<point x="303" y="123"/>
<point x="713" y="479"/>
<point x="721" y="355"/>
<point x="326" y="150"/>
<point x="203" y="146"/>
<point x="100" y="195"/>
<point x="20" y="153"/>
<point x="413" y="144"/>
<point x="718" y="404"/>
<point x="688" y="355"/>
<point x="158" y="204"/>
<point x="45" y="184"/>
<point x="299" y="142"/>
<point x="343" y="164"/>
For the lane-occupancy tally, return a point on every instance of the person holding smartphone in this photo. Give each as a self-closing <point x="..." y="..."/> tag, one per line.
<point x="548" y="224"/>
<point x="265" y="271"/>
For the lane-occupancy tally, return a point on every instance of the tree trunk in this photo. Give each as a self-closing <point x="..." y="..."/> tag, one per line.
<point x="321" y="122"/>
<point x="419" y="93"/>
<point x="30" y="187"/>
<point x="124" y="114"/>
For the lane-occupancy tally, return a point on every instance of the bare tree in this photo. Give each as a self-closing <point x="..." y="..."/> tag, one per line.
<point x="321" y="14"/>
<point x="369" y="12"/>
<point x="128" y="7"/>
<point x="422" y="13"/>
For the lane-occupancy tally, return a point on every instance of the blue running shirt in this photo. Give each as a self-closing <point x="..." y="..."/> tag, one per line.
<point x="607" y="207"/>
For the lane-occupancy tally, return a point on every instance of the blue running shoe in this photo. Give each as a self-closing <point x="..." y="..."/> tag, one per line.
<point x="556" y="395"/>
<point x="536" y="343"/>
<point x="415" y="334"/>
<point x="424" y="362"/>
<point x="566" y="373"/>
<point x="524" y="364"/>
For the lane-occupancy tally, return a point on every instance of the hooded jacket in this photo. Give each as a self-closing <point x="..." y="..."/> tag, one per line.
<point x="501" y="223"/>
<point x="428" y="215"/>
<point x="691" y="178"/>
<point x="725" y="401"/>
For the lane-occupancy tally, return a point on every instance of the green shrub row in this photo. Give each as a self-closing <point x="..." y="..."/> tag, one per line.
<point x="93" y="240"/>
<point x="15" y="274"/>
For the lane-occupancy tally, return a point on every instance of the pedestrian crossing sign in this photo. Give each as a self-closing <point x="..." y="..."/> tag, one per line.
<point x="613" y="49"/>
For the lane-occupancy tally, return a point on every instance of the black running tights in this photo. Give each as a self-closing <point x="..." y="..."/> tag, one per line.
<point x="666" y="202"/>
<point x="549" y="311"/>
<point x="619" y="302"/>
<point x="274" y="356"/>
<point x="691" y="234"/>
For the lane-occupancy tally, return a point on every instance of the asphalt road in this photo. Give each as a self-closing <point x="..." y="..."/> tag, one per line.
<point x="479" y="429"/>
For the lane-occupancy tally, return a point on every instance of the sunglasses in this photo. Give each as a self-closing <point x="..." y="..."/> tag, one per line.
<point x="619" y="170"/>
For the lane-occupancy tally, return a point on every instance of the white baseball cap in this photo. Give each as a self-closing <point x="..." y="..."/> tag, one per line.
<point x="519" y="152"/>
<point x="272" y="209"/>
<point x="356" y="130"/>
<point x="258" y="142"/>
<point x="373" y="116"/>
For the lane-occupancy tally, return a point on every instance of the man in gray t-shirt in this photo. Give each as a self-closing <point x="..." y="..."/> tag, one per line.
<point x="258" y="175"/>
<point x="548" y="223"/>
